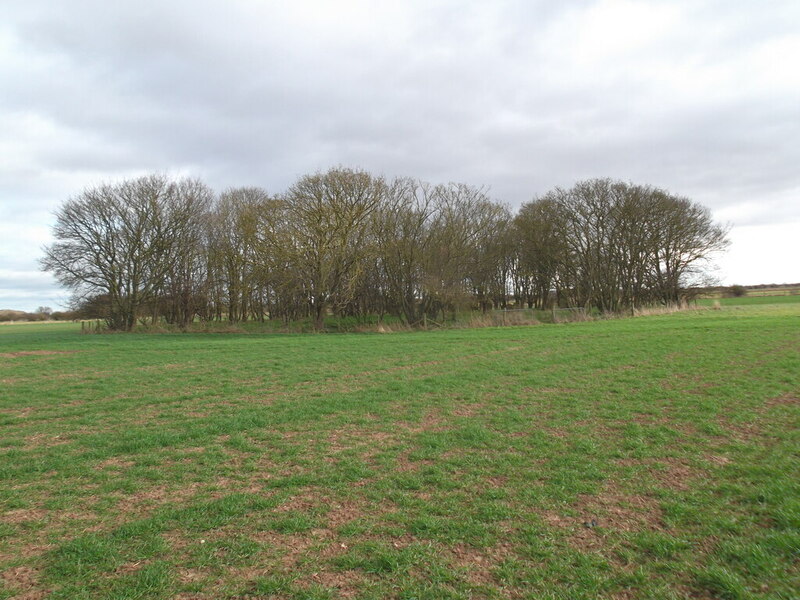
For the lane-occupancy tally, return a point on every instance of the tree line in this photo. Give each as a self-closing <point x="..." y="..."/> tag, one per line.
<point x="350" y="243"/>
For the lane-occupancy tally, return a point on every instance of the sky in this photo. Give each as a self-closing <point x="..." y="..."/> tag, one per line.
<point x="701" y="98"/>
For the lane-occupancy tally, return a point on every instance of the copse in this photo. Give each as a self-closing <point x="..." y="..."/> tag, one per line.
<point x="613" y="245"/>
<point x="348" y="243"/>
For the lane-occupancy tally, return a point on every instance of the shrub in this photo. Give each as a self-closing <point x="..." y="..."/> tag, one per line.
<point x="737" y="291"/>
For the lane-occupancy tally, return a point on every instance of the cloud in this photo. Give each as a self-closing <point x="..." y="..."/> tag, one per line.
<point x="701" y="98"/>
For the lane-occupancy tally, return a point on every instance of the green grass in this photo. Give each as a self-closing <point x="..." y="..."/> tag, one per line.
<point x="654" y="457"/>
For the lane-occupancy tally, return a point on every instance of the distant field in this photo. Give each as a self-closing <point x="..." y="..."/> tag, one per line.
<point x="654" y="457"/>
<point x="768" y="293"/>
<point x="774" y="292"/>
<point x="750" y="300"/>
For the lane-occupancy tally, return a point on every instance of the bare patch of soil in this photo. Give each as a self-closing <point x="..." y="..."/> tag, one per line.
<point x="187" y="575"/>
<point x="469" y="410"/>
<point x="480" y="562"/>
<point x="550" y="390"/>
<point x="35" y="353"/>
<point x="20" y="577"/>
<point x="671" y="473"/>
<point x="45" y="440"/>
<point x="432" y="421"/>
<point x="606" y="512"/>
<point x="351" y="436"/>
<point x="177" y="541"/>
<point x="24" y="515"/>
<point x="744" y="431"/>
<point x="145" y="500"/>
<point x="405" y="464"/>
<point x="346" y="583"/>
<point x="718" y="460"/>
<point x="130" y="567"/>
<point x="785" y="400"/>
<point x="114" y="463"/>
<point x="292" y="547"/>
<point x="25" y="582"/>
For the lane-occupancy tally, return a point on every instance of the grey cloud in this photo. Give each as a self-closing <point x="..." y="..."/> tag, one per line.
<point x="27" y="291"/>
<point x="505" y="94"/>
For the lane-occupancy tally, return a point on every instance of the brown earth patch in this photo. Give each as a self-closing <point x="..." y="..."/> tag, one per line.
<point x="52" y="525"/>
<point x="177" y="540"/>
<point x="650" y="419"/>
<point x="160" y="367"/>
<point x="432" y="421"/>
<point x="603" y="513"/>
<point x="21" y="413"/>
<point x="335" y="512"/>
<point x="718" y="459"/>
<point x="130" y="567"/>
<point x="497" y="481"/>
<point x="671" y="473"/>
<point x="291" y="547"/>
<point x="405" y="464"/>
<point x="249" y="486"/>
<point x="24" y="515"/>
<point x="344" y="512"/>
<point x="45" y="440"/>
<point x="197" y="414"/>
<point x="550" y="390"/>
<point x="28" y="549"/>
<point x="351" y="436"/>
<point x="114" y="462"/>
<point x="306" y="501"/>
<point x="148" y="499"/>
<point x="345" y="583"/>
<point x="480" y="562"/>
<point x="36" y="353"/>
<point x="20" y="578"/>
<point x="743" y="431"/>
<point x="557" y="432"/>
<point x="469" y="410"/>
<point x="785" y="400"/>
<point x="622" y="512"/>
<point x="187" y="575"/>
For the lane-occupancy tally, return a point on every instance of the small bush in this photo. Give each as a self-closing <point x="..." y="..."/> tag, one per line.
<point x="737" y="291"/>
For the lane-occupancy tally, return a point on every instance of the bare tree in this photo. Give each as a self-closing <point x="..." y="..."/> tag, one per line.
<point x="328" y="228"/>
<point x="685" y="238"/>
<point x="232" y="259"/>
<point x="402" y="229"/>
<point x="614" y="245"/>
<point x="119" y="241"/>
<point x="348" y="242"/>
<point x="540" y="240"/>
<point x="185" y="291"/>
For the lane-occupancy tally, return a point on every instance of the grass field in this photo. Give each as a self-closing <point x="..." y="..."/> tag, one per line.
<point x="654" y="457"/>
<point x="750" y="300"/>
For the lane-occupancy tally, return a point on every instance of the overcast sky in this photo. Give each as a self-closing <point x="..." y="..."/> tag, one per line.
<point x="700" y="98"/>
